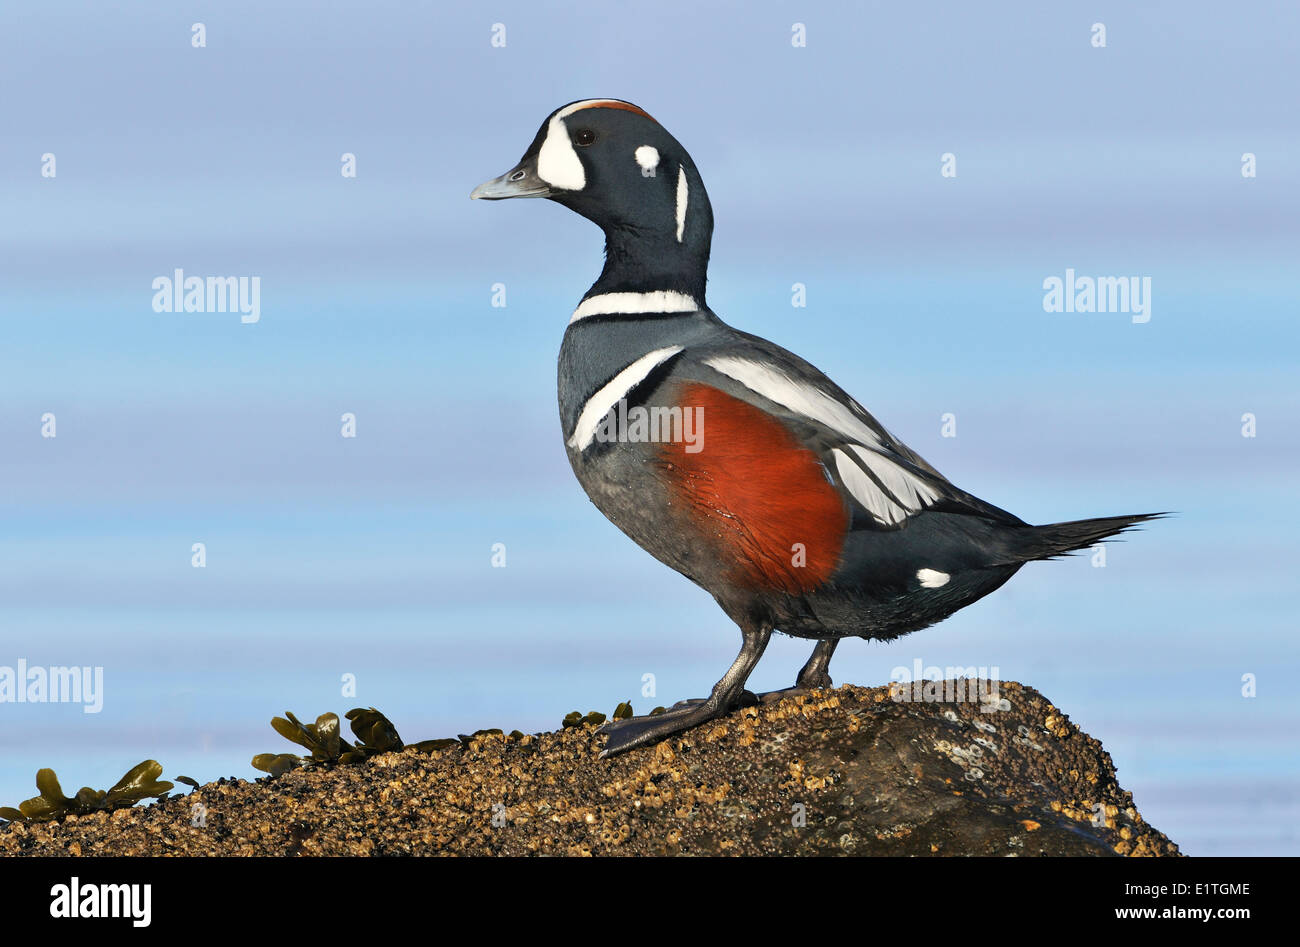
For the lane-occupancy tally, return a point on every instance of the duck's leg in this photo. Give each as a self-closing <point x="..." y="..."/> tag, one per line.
<point x="727" y="693"/>
<point x="815" y="673"/>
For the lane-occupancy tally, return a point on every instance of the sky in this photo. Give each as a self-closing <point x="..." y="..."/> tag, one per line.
<point x="372" y="556"/>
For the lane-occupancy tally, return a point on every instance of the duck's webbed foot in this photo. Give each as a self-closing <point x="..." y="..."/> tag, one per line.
<point x="728" y="694"/>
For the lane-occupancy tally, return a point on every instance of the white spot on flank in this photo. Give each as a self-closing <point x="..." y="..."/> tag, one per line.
<point x="682" y="196"/>
<point x="932" y="578"/>
<point x="557" y="162"/>
<point x="599" y="404"/>
<point x="661" y="300"/>
<point x="647" y="156"/>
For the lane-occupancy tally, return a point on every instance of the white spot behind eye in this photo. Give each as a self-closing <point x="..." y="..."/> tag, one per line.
<point x="647" y="156"/>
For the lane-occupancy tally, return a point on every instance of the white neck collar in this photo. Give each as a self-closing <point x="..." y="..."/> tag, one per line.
<point x="608" y="304"/>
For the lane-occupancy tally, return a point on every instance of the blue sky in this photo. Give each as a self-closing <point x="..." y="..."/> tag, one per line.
<point x="371" y="556"/>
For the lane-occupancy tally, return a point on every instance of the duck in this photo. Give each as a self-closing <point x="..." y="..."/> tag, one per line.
<point x="729" y="458"/>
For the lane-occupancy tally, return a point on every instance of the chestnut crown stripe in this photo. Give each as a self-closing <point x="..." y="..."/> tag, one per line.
<point x="602" y="104"/>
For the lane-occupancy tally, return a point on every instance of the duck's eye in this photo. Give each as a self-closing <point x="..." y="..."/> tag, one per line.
<point x="584" y="137"/>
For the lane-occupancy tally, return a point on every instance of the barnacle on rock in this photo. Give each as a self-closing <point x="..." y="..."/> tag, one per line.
<point x="791" y="777"/>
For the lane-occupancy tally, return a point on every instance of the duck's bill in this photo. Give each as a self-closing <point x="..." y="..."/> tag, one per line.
<point x="521" y="181"/>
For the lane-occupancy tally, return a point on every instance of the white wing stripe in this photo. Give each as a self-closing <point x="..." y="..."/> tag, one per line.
<point x="909" y="492"/>
<point x="599" y="404"/>
<point x="866" y="492"/>
<point x="776" y="385"/>
<point x="907" y="489"/>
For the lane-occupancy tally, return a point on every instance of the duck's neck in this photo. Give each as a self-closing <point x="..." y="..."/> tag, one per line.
<point x="672" y="256"/>
<point x="641" y="262"/>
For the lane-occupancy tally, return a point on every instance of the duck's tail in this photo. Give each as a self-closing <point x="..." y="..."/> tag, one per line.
<point x="1060" y="539"/>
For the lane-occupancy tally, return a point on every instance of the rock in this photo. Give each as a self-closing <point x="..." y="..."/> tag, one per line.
<point x="847" y="771"/>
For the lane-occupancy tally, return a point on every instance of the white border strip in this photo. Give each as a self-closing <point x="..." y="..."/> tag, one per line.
<point x="600" y="404"/>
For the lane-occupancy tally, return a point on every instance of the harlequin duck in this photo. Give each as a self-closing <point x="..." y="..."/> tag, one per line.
<point x="730" y="459"/>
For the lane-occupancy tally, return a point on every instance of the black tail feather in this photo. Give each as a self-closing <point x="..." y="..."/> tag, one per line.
<point x="1060" y="539"/>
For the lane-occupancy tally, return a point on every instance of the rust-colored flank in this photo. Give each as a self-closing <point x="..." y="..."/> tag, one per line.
<point x="756" y="494"/>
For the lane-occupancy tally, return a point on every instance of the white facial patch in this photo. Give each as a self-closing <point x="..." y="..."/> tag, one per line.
<point x="603" y="401"/>
<point x="647" y="156"/>
<point x="557" y="162"/>
<point x="682" y="197"/>
<point x="932" y="578"/>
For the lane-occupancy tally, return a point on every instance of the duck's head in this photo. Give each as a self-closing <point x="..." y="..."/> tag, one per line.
<point x="609" y="161"/>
